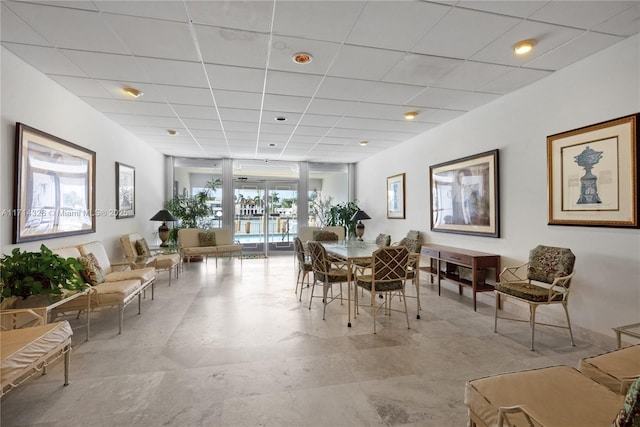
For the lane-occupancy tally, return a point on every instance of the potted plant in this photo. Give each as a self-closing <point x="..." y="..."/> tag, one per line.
<point x="192" y="211"/>
<point x="341" y="214"/>
<point x="24" y="274"/>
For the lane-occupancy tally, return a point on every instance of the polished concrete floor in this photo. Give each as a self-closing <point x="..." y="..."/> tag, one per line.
<point x="232" y="346"/>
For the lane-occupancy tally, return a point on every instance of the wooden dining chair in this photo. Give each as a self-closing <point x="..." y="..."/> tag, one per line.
<point x="327" y="272"/>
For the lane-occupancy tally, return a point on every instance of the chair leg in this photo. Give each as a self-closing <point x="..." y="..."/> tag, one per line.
<point x="419" y="306"/>
<point x="298" y="281"/>
<point x="566" y="311"/>
<point x="325" y="289"/>
<point x="532" y="320"/>
<point x="313" y="287"/>
<point x="373" y="308"/>
<point x="406" y="312"/>
<point x="495" y="320"/>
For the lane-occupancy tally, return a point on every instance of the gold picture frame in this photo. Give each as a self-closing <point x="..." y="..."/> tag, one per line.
<point x="396" y="197"/>
<point x="593" y="175"/>
<point x="55" y="185"/>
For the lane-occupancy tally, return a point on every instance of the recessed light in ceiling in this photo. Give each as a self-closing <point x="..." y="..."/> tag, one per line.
<point x="132" y="92"/>
<point x="524" y="47"/>
<point x="172" y="132"/>
<point x="302" y="58"/>
<point x="410" y="115"/>
<point x="272" y="145"/>
<point x="364" y="143"/>
<point x="281" y="119"/>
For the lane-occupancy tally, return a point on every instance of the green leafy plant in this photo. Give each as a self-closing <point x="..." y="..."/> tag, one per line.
<point x="193" y="211"/>
<point x="341" y="214"/>
<point x="34" y="273"/>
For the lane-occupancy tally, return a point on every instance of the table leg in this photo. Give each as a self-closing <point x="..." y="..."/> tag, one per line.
<point x="349" y="280"/>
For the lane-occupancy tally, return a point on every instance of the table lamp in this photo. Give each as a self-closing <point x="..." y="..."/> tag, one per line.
<point x="359" y="216"/>
<point x="163" y="231"/>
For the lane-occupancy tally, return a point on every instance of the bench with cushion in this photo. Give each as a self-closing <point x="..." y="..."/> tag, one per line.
<point x="27" y="351"/>
<point x="615" y="369"/>
<point x="199" y="242"/>
<point x="137" y="252"/>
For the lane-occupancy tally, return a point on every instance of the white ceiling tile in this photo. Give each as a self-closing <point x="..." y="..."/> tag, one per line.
<point x="185" y="95"/>
<point x="174" y="73"/>
<point x="437" y="98"/>
<point x="236" y="99"/>
<point x="472" y="75"/>
<point x="473" y="100"/>
<point x="82" y="86"/>
<point x="14" y="29"/>
<point x="464" y="32"/>
<point x="235" y="78"/>
<point x="580" y="47"/>
<point x="310" y="131"/>
<point x="130" y="107"/>
<point x="295" y="84"/>
<point x="364" y="62"/>
<point x="208" y="134"/>
<point x="547" y="38"/>
<point x="367" y="91"/>
<point x="200" y="124"/>
<point x="222" y="46"/>
<point x="319" y="20"/>
<point x="626" y="23"/>
<point x="403" y="25"/>
<point x="195" y="112"/>
<point x="283" y="48"/>
<point x="518" y="8"/>
<point x="155" y="38"/>
<point x="389" y="125"/>
<point x="46" y="59"/>
<point x="277" y="128"/>
<point x="163" y="9"/>
<point x="579" y="14"/>
<point x="130" y="119"/>
<point x="70" y="28"/>
<point x="155" y="131"/>
<point x="243" y="15"/>
<point x="319" y="120"/>
<point x="286" y="104"/>
<point x="269" y="117"/>
<point x="241" y="126"/>
<point x="107" y="66"/>
<point x="331" y="106"/>
<point x="422" y="70"/>
<point x="237" y="137"/>
<point x="514" y="80"/>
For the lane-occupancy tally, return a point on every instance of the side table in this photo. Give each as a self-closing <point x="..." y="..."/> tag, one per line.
<point x="632" y="330"/>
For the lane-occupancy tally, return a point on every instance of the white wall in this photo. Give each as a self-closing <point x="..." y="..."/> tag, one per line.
<point x="30" y="97"/>
<point x="606" y="290"/>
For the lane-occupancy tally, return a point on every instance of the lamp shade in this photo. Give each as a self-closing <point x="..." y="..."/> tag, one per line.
<point x="163" y="215"/>
<point x="360" y="215"/>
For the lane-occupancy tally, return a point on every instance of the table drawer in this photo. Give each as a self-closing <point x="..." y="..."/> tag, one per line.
<point x="456" y="258"/>
<point x="426" y="251"/>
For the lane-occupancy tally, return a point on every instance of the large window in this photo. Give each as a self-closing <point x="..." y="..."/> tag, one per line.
<point x="328" y="185"/>
<point x="193" y="176"/>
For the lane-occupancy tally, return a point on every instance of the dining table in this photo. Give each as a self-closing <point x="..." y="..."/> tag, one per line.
<point x="350" y="251"/>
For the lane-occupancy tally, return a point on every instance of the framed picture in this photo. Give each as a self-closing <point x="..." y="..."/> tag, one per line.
<point x="593" y="175"/>
<point x="55" y="187"/>
<point x="464" y="195"/>
<point x="126" y="191"/>
<point x="395" y="196"/>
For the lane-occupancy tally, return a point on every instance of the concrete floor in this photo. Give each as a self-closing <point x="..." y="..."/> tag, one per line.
<point x="232" y="346"/>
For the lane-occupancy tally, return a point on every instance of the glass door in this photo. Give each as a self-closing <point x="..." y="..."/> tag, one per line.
<point x="265" y="217"/>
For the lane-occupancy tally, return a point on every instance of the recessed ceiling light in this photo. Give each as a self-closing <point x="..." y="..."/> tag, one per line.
<point x="524" y="47"/>
<point x="410" y="115"/>
<point x="272" y="145"/>
<point x="364" y="143"/>
<point x="302" y="58"/>
<point x="281" y="119"/>
<point x="132" y="92"/>
<point x="172" y="132"/>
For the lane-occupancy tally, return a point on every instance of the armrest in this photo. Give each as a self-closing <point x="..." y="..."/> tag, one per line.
<point x="120" y="266"/>
<point x="515" y="274"/>
<point x="21" y="317"/>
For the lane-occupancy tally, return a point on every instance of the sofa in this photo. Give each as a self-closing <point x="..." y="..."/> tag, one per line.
<point x="138" y="254"/>
<point x="561" y="395"/>
<point x="200" y="242"/>
<point x="28" y="351"/>
<point x="114" y="284"/>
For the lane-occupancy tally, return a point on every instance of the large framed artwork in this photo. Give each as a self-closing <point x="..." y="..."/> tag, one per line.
<point x="126" y="191"/>
<point x="464" y="195"/>
<point x="54" y="187"/>
<point x="395" y="196"/>
<point x="593" y="175"/>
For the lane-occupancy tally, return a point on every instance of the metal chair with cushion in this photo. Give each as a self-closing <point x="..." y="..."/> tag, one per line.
<point x="388" y="277"/>
<point x="413" y="243"/>
<point x="544" y="280"/>
<point x="327" y="272"/>
<point x="304" y="265"/>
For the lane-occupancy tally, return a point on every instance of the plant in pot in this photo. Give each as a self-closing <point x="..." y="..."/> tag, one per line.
<point x="192" y="211"/>
<point x="341" y="214"/>
<point x="24" y="274"/>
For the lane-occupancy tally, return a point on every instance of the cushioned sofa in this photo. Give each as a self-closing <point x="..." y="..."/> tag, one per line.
<point x="199" y="242"/>
<point x="28" y="351"/>
<point x="138" y="254"/>
<point x="113" y="285"/>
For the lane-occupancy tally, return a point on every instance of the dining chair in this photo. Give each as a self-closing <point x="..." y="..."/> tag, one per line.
<point x="327" y="272"/>
<point x="543" y="280"/>
<point x="388" y="277"/>
<point x="304" y="265"/>
<point x="413" y="243"/>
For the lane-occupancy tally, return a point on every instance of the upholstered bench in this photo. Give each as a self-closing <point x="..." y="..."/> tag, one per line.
<point x="138" y="254"/>
<point x="616" y="369"/>
<point x="27" y="351"/>
<point x="194" y="242"/>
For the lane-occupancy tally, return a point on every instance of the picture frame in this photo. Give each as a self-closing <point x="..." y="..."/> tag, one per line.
<point x="125" y="191"/>
<point x="593" y="174"/>
<point x="396" y="197"/>
<point x="55" y="185"/>
<point x="465" y="195"/>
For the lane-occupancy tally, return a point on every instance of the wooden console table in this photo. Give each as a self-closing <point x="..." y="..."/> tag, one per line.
<point x="446" y="263"/>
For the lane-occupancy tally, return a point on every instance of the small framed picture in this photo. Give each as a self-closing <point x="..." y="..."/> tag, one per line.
<point x="126" y="191"/>
<point x="395" y="197"/>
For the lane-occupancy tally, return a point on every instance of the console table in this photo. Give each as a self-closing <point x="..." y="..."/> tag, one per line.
<point x="460" y="266"/>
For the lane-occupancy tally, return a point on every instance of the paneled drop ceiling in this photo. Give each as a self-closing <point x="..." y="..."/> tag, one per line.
<point x="220" y="72"/>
